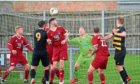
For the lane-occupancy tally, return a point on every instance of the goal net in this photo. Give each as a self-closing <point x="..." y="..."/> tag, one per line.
<point x="106" y="21"/>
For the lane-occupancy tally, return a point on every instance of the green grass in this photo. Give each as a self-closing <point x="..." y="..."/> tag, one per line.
<point x="132" y="64"/>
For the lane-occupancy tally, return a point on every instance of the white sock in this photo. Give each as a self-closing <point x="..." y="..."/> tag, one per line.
<point x="47" y="82"/>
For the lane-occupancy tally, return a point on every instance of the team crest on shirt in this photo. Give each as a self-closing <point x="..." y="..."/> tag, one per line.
<point x="56" y="37"/>
<point x="58" y="32"/>
<point x="16" y="40"/>
<point x="51" y="34"/>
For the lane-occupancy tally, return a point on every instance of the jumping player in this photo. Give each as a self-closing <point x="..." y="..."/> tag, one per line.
<point x="50" y="53"/>
<point x="15" y="45"/>
<point x="84" y="44"/>
<point x="40" y="52"/>
<point x="120" y="51"/>
<point x="100" y="61"/>
<point x="59" y="38"/>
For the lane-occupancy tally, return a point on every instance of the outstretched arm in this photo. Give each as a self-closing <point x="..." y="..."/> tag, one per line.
<point x="107" y="37"/>
<point x="29" y="47"/>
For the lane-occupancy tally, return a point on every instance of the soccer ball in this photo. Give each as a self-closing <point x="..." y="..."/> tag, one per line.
<point x="53" y="11"/>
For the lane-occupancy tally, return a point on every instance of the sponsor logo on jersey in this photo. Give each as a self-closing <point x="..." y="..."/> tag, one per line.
<point x="85" y="45"/>
<point x="19" y="44"/>
<point x="56" y="38"/>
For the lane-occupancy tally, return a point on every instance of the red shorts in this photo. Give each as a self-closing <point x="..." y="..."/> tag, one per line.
<point x="50" y="53"/>
<point x="60" y="53"/>
<point x="14" y="61"/>
<point x="100" y="62"/>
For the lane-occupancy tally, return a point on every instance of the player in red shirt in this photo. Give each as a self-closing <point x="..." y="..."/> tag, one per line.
<point x="100" y="61"/>
<point x="15" y="45"/>
<point x="58" y="37"/>
<point x="50" y="53"/>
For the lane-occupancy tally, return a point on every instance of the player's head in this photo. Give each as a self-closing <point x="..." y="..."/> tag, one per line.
<point x="19" y="30"/>
<point x="96" y="30"/>
<point x="46" y="24"/>
<point x="120" y="21"/>
<point x="53" y="22"/>
<point x="41" y="24"/>
<point x="82" y="31"/>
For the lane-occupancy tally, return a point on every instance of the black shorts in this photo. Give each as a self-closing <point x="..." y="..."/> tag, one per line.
<point x="40" y="55"/>
<point x="120" y="56"/>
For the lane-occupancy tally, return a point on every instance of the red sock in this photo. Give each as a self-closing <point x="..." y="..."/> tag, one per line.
<point x="57" y="72"/>
<point x="90" y="77"/>
<point x="52" y="74"/>
<point x="102" y="78"/>
<point x="26" y="74"/>
<point x="44" y="76"/>
<point x="6" y="74"/>
<point x="61" y="74"/>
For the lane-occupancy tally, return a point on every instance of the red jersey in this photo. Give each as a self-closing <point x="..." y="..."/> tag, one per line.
<point x="57" y="36"/>
<point x="102" y="49"/>
<point x="49" y="47"/>
<point x="17" y="43"/>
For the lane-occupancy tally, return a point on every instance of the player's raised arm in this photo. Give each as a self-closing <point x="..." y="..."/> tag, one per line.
<point x="27" y="45"/>
<point x="107" y="37"/>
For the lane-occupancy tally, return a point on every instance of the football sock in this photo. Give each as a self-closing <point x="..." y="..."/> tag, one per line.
<point x="26" y="74"/>
<point x="61" y="74"/>
<point x="125" y="71"/>
<point x="6" y="74"/>
<point x="47" y="75"/>
<point x="123" y="75"/>
<point x="52" y="74"/>
<point x="33" y="73"/>
<point x="57" y="72"/>
<point x="90" y="77"/>
<point x="44" y="75"/>
<point x="102" y="77"/>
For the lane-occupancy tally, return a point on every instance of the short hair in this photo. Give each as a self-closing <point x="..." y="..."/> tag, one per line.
<point x="41" y="23"/>
<point x="96" y="30"/>
<point x="46" y="22"/>
<point x="52" y="19"/>
<point x="17" y="27"/>
<point x="121" y="19"/>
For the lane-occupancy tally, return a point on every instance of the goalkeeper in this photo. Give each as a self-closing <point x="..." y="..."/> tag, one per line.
<point x="85" y="45"/>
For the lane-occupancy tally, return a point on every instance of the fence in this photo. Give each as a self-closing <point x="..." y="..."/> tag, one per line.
<point x="105" y="20"/>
